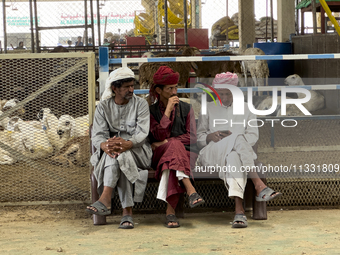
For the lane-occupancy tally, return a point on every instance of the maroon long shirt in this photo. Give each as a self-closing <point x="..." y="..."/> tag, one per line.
<point x="173" y="155"/>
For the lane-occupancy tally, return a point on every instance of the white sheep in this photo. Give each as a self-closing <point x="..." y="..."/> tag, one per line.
<point x="10" y="104"/>
<point x="5" y="156"/>
<point x="316" y="102"/>
<point x="3" y="122"/>
<point x="257" y="68"/>
<point x="32" y="142"/>
<point x="2" y="103"/>
<point x="49" y="124"/>
<point x="291" y="110"/>
<point x="68" y="127"/>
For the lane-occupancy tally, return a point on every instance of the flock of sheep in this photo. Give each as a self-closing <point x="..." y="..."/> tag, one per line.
<point x="41" y="139"/>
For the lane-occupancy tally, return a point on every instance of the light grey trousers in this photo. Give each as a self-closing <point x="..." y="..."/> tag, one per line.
<point x="114" y="177"/>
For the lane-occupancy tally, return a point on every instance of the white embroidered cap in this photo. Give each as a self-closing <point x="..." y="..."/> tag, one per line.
<point x="118" y="74"/>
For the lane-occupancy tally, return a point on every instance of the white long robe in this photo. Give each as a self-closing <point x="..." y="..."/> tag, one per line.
<point x="234" y="150"/>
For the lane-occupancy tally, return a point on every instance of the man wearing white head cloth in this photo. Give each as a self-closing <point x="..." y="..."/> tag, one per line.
<point x="120" y="128"/>
<point x="229" y="145"/>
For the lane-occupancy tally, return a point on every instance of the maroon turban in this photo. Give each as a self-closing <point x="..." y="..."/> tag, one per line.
<point x="164" y="76"/>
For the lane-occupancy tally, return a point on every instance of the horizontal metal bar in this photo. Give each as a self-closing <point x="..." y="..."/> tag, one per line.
<point x="227" y="58"/>
<point x="262" y="88"/>
<point x="60" y="27"/>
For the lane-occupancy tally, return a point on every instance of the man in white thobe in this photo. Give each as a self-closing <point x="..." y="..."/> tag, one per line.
<point x="229" y="146"/>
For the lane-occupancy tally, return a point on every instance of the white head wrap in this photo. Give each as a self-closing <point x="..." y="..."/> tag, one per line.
<point x="118" y="74"/>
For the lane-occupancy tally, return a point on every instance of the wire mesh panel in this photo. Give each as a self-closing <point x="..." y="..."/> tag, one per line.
<point x="44" y="123"/>
<point x="311" y="143"/>
<point x="304" y="164"/>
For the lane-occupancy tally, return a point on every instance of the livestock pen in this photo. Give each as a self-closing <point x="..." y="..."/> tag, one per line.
<point x="47" y="86"/>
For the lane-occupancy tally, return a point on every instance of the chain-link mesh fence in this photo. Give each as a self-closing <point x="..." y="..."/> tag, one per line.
<point x="44" y="123"/>
<point x="136" y="22"/>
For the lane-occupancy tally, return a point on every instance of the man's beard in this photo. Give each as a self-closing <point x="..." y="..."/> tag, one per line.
<point x="227" y="103"/>
<point x="128" y="96"/>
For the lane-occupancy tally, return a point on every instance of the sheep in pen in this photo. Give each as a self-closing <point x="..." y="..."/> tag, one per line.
<point x="22" y="136"/>
<point x="316" y="102"/>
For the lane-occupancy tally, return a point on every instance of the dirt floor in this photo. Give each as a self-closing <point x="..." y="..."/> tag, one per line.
<point x="68" y="229"/>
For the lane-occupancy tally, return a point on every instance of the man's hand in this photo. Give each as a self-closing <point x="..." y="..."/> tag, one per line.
<point x="125" y="145"/>
<point x="115" y="145"/>
<point x="155" y="145"/>
<point x="172" y="101"/>
<point x="111" y="147"/>
<point x="224" y="134"/>
<point x="217" y="136"/>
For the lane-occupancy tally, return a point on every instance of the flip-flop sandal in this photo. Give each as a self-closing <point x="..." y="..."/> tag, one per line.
<point x="240" y="218"/>
<point x="194" y="197"/>
<point x="126" y="218"/>
<point x="102" y="210"/>
<point x="266" y="195"/>
<point x="171" y="218"/>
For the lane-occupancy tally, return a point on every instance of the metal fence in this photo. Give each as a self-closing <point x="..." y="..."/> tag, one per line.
<point x="32" y="24"/>
<point x="46" y="106"/>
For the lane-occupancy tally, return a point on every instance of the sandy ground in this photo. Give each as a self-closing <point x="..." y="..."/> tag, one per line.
<point x="69" y="230"/>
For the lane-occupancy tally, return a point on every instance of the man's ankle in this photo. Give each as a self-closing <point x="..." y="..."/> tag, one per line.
<point x="127" y="211"/>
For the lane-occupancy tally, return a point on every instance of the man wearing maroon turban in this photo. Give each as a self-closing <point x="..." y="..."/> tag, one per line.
<point x="172" y="131"/>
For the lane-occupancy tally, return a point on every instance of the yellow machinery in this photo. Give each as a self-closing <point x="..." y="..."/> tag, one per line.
<point x="144" y="26"/>
<point x="144" y="22"/>
<point x="175" y="13"/>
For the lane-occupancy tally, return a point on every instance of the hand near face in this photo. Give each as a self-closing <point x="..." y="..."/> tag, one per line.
<point x="172" y="101"/>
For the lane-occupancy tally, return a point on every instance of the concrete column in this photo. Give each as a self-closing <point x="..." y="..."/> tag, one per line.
<point x="246" y="23"/>
<point x="196" y="13"/>
<point x="200" y="13"/>
<point x="285" y="19"/>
